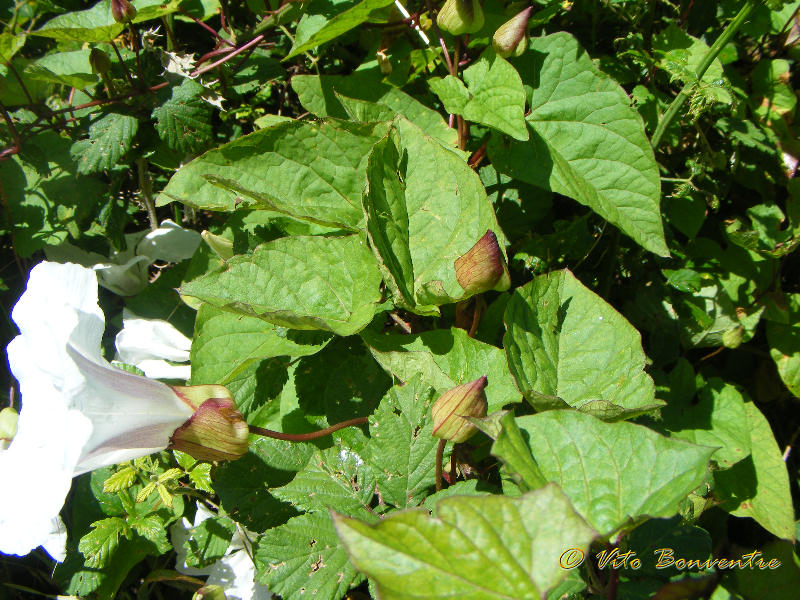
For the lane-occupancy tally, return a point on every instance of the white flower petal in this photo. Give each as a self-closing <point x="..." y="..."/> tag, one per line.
<point x="144" y="339"/>
<point x="125" y="279"/>
<point x="236" y="574"/>
<point x="161" y="369"/>
<point x="170" y="242"/>
<point x="56" y="543"/>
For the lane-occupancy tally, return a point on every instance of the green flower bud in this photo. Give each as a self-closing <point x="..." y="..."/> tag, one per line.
<point x="466" y="400"/>
<point x="383" y="62"/>
<point x="732" y="338"/>
<point x="122" y="11"/>
<point x="460" y="16"/>
<point x="8" y="426"/>
<point x="99" y="61"/>
<point x="222" y="247"/>
<point x="216" y="431"/>
<point x="210" y="592"/>
<point x="511" y="37"/>
<point x="483" y="268"/>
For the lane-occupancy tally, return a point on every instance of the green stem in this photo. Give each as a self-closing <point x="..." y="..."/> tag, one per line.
<point x="710" y="56"/>
<point x="304" y="437"/>
<point x="146" y="187"/>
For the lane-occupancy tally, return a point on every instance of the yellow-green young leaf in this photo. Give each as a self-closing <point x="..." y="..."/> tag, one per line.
<point x="337" y="96"/>
<point x="316" y="29"/>
<point x="121" y="480"/>
<point x="97" y="25"/>
<point x="565" y="343"/>
<point x="493" y="95"/>
<point x="99" y="544"/>
<point x="302" y="282"/>
<point x="145" y="492"/>
<point x="304" y="559"/>
<point x="613" y="472"/>
<point x="10" y="44"/>
<point x="476" y="548"/>
<point x="586" y="141"/>
<point x="274" y="169"/>
<point x="170" y="474"/>
<point x="758" y="486"/>
<point x="166" y="497"/>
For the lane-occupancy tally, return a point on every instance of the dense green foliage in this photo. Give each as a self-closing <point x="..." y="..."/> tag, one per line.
<point x="636" y="163"/>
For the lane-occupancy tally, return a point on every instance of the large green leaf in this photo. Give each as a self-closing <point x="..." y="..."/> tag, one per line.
<point x="586" y="141"/>
<point x="614" y="472"/>
<point x="312" y="171"/>
<point x="110" y="137"/>
<point x="96" y="24"/>
<point x="304" y="559"/>
<point x="183" y="119"/>
<point x="493" y="95"/>
<point x="425" y="208"/>
<point x="476" y="548"/>
<point x="328" y="95"/>
<point x="758" y="486"/>
<point x="71" y="69"/>
<point x="303" y="282"/>
<point x="402" y="448"/>
<point x="225" y="344"/>
<point x="10" y="44"/>
<point x="444" y="359"/>
<point x="565" y="344"/>
<point x="316" y="29"/>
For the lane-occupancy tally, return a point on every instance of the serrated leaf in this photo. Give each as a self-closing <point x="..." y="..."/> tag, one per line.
<point x="145" y="492"/>
<point x="334" y="96"/>
<point x="99" y="544"/>
<point x="758" y="486"/>
<point x="199" y="472"/>
<point x="586" y="141"/>
<point x="164" y="493"/>
<point x="183" y="120"/>
<point x="614" y="472"/>
<point x="110" y="138"/>
<point x="120" y="480"/>
<point x="313" y="31"/>
<point x="335" y="478"/>
<point x="275" y="169"/>
<point x="477" y="548"/>
<point x="565" y="342"/>
<point x="304" y="559"/>
<point x="96" y="24"/>
<point x="225" y="344"/>
<point x="208" y="541"/>
<point x="718" y="419"/>
<point x="302" y="282"/>
<point x="444" y="359"/>
<point x="493" y="95"/>
<point x="425" y="205"/>
<point x="152" y="528"/>
<point x="170" y="474"/>
<point x="402" y="449"/>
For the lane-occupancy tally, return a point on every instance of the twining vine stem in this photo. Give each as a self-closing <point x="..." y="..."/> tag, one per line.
<point x="304" y="437"/>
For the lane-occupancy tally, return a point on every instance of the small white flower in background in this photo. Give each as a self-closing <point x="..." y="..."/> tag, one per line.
<point x="235" y="572"/>
<point x="126" y="273"/>
<point x="78" y="412"/>
<point x="149" y="343"/>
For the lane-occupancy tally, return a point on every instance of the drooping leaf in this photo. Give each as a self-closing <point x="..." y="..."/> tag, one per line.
<point x="303" y="282"/>
<point x="493" y="95"/>
<point x="758" y="486"/>
<point x="225" y="343"/>
<point x="613" y="472"/>
<point x="312" y="171"/>
<point x="304" y="559"/>
<point x="476" y="548"/>
<point x="110" y="137"/>
<point x="564" y="343"/>
<point x="444" y="359"/>
<point x="183" y="119"/>
<point x="586" y="141"/>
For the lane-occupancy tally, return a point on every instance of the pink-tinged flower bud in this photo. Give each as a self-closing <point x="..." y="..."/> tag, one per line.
<point x="460" y="16"/>
<point x="216" y="430"/>
<point x="99" y="61"/>
<point x="122" y="11"/>
<point x="466" y="400"/>
<point x="8" y="426"/>
<point x="511" y="37"/>
<point x="210" y="592"/>
<point x="483" y="268"/>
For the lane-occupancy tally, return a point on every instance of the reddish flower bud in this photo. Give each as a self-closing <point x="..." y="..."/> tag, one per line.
<point x="466" y="400"/>
<point x="460" y="16"/>
<point x="216" y="430"/>
<point x="99" y="61"/>
<point x="483" y="268"/>
<point x="511" y="37"/>
<point x="122" y="11"/>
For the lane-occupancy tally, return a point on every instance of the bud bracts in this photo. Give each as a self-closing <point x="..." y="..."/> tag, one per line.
<point x="466" y="400"/>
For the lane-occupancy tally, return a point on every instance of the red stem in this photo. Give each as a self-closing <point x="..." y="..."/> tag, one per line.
<point x="304" y="437"/>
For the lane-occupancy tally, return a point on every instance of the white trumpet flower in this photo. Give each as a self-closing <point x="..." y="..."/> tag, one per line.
<point x="78" y="412"/>
<point x="150" y="343"/>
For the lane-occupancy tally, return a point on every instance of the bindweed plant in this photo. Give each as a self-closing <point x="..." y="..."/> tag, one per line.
<point x="400" y="299"/>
